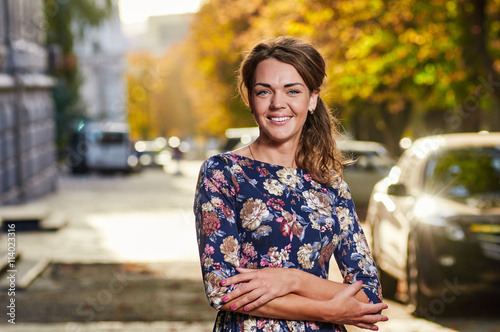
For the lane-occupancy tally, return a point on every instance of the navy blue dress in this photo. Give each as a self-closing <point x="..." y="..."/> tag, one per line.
<point x="253" y="214"/>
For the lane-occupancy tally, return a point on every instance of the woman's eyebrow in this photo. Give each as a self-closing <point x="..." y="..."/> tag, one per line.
<point x="286" y="85"/>
<point x="292" y="84"/>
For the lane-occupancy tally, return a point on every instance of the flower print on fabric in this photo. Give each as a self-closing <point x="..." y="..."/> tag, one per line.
<point x="343" y="190"/>
<point x="362" y="247"/>
<point x="345" y="218"/>
<point x="289" y="226"/>
<point x="274" y="187"/>
<point x="275" y="258"/>
<point x="230" y="248"/>
<point x="318" y="202"/>
<point x="253" y="212"/>
<point x="255" y="215"/>
<point x="213" y="288"/>
<point x="211" y="224"/>
<point x="304" y="255"/>
<point x="248" y="256"/>
<point x="288" y="176"/>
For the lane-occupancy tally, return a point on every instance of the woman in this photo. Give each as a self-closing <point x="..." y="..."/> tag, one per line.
<point x="270" y="215"/>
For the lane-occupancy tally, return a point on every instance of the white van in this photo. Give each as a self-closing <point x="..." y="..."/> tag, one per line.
<point x="103" y="146"/>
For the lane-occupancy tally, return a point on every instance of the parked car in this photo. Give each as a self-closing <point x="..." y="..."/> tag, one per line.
<point x="371" y="163"/>
<point x="435" y="219"/>
<point x="153" y="153"/>
<point x="102" y="146"/>
<point x="239" y="137"/>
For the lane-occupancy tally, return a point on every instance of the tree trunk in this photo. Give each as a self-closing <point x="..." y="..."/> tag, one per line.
<point x="476" y="54"/>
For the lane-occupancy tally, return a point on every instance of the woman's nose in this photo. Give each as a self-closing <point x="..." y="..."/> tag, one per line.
<point x="277" y="101"/>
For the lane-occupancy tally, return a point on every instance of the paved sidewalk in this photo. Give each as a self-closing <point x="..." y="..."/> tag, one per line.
<point x="111" y="326"/>
<point x="145" y="218"/>
<point x="395" y="325"/>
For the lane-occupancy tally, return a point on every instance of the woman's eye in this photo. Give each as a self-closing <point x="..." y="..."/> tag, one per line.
<point x="262" y="93"/>
<point x="294" y="92"/>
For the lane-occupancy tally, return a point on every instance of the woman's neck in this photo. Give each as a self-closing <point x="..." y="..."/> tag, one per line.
<point x="272" y="153"/>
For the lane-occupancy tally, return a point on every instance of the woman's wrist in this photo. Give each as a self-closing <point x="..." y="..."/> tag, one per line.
<point x="322" y="311"/>
<point x="297" y="282"/>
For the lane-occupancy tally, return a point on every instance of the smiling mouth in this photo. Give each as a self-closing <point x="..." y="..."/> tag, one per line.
<point x="281" y="118"/>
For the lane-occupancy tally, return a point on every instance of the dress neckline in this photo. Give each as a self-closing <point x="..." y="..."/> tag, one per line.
<point x="239" y="156"/>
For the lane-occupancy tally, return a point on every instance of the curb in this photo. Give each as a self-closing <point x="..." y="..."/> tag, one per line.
<point x="110" y="327"/>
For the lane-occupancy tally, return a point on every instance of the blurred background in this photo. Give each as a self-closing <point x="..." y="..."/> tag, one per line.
<point x="108" y="108"/>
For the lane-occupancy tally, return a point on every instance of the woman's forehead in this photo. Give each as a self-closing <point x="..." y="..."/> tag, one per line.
<point x="272" y="71"/>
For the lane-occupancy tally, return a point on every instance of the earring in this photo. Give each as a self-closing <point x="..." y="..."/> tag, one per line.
<point x="311" y="111"/>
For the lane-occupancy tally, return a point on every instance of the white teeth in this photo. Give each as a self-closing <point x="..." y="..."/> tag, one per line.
<point x="281" y="119"/>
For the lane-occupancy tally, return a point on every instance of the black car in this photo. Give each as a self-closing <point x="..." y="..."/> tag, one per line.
<point x="435" y="220"/>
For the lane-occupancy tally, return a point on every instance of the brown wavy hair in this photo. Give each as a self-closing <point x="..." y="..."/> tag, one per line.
<point x="317" y="151"/>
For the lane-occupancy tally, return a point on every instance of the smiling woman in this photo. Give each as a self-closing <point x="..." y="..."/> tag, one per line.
<point x="137" y="11"/>
<point x="269" y="216"/>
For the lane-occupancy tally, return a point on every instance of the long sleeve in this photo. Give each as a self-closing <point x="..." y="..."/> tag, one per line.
<point x="352" y="253"/>
<point x="217" y="231"/>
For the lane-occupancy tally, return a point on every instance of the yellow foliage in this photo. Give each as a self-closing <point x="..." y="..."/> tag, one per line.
<point x="378" y="52"/>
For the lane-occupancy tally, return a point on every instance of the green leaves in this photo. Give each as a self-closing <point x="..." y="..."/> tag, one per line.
<point x="396" y="62"/>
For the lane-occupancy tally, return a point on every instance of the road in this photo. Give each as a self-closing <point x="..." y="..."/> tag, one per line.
<point x="147" y="217"/>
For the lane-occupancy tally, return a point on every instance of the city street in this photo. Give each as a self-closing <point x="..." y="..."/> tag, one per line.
<point x="142" y="224"/>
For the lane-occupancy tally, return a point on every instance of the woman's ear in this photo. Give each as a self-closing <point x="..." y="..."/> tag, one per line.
<point x="313" y="101"/>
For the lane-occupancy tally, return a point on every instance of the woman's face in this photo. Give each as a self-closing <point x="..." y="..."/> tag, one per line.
<point x="280" y="100"/>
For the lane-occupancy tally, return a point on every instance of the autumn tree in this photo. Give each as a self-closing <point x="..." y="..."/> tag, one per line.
<point x="405" y="67"/>
<point x="143" y="80"/>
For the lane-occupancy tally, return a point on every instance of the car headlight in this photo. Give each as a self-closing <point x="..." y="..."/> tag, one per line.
<point x="427" y="209"/>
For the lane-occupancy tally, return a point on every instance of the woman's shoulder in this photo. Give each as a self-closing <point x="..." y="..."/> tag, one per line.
<point x="225" y="160"/>
<point x="221" y="159"/>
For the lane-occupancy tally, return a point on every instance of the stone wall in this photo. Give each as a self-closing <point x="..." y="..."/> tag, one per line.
<point x="27" y="126"/>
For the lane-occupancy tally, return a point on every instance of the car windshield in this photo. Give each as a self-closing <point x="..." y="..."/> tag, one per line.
<point x="109" y="137"/>
<point x="465" y="174"/>
<point x="366" y="160"/>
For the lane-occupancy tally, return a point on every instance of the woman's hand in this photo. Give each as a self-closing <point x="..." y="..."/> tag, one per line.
<point x="347" y="310"/>
<point x="258" y="286"/>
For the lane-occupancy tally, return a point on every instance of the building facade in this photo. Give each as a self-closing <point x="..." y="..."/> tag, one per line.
<point x="101" y="54"/>
<point x="159" y="33"/>
<point x="27" y="128"/>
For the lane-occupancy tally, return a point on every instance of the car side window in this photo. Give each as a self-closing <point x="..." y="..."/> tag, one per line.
<point x="409" y="168"/>
<point x="367" y="161"/>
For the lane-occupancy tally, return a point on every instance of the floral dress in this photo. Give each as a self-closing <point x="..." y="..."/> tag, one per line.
<point x="253" y="214"/>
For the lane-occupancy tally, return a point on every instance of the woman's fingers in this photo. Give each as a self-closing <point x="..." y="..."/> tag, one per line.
<point x="368" y="322"/>
<point x="350" y="291"/>
<point x="372" y="327"/>
<point x="244" y="270"/>
<point x="248" y="300"/>
<point x="367" y="308"/>
<point x="244" y="289"/>
<point x="372" y="319"/>
<point x="361" y="314"/>
<point x="257" y="286"/>
<point x="251" y="300"/>
<point x="373" y="309"/>
<point x="244" y="276"/>
<point x="236" y="279"/>
<point x="248" y="295"/>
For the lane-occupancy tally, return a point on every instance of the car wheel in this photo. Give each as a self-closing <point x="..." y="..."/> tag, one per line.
<point x="389" y="284"/>
<point x="416" y="299"/>
<point x="375" y="240"/>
